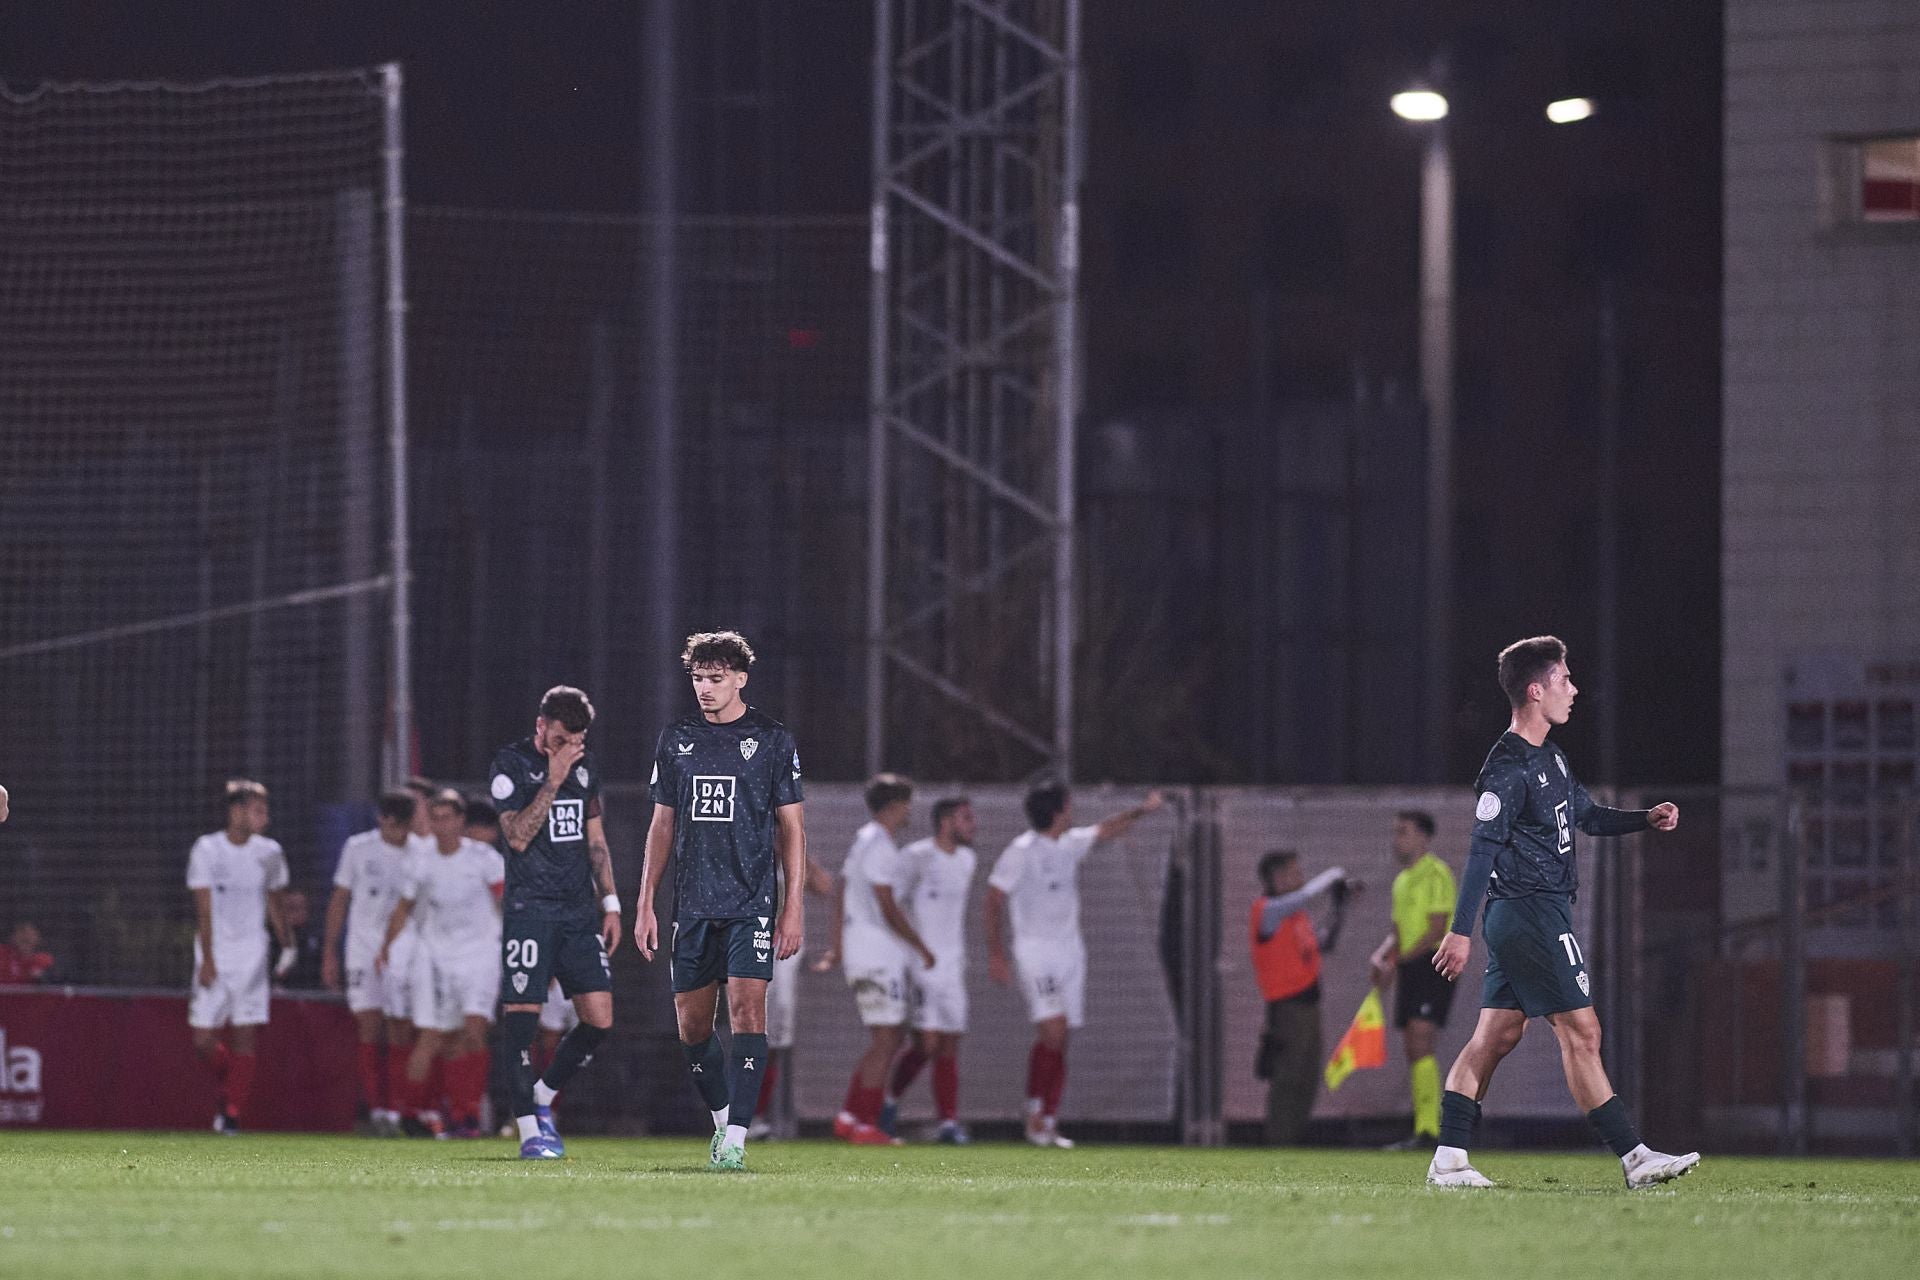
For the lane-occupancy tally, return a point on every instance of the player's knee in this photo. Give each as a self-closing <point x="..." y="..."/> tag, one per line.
<point x="589" y="1035"/>
<point x="1579" y="1039"/>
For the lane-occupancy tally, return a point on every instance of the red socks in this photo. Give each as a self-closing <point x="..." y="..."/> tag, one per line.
<point x="946" y="1086"/>
<point x="863" y="1104"/>
<point x="767" y="1083"/>
<point x="219" y="1061"/>
<point x="466" y="1085"/>
<point x="1046" y="1077"/>
<point x="907" y="1070"/>
<point x="239" y="1083"/>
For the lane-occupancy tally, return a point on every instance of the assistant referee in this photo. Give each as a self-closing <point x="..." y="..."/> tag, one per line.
<point x="1423" y="895"/>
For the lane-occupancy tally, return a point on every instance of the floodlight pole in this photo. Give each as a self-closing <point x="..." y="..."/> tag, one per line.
<point x="400" y="757"/>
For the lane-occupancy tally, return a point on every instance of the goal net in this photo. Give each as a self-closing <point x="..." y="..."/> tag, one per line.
<point x="194" y="489"/>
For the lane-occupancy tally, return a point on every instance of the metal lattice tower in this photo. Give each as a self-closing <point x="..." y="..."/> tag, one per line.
<point x="978" y="143"/>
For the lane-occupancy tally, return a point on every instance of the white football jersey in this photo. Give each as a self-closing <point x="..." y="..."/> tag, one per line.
<point x="239" y="877"/>
<point x="873" y="860"/>
<point x="375" y="874"/>
<point x="453" y="897"/>
<point x="936" y="884"/>
<point x="1041" y="878"/>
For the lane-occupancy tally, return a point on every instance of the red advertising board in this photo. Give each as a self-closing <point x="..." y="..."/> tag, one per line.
<point x="72" y="1058"/>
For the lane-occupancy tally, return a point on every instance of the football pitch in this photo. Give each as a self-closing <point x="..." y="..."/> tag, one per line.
<point x="126" y="1204"/>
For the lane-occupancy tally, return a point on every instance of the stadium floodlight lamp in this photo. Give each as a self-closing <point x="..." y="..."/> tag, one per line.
<point x="1423" y="105"/>
<point x="1570" y="110"/>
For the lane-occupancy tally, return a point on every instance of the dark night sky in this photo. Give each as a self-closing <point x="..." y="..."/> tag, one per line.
<point x="1231" y="144"/>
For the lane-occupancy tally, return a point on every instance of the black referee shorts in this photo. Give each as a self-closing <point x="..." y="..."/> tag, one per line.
<point x="1420" y="992"/>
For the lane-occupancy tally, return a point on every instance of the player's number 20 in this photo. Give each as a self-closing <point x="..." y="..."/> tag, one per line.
<point x="523" y="953"/>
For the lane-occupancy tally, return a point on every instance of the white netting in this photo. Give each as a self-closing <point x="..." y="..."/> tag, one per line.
<point x="193" y="487"/>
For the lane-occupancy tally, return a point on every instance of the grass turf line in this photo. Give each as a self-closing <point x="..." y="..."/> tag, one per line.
<point x="191" y="1205"/>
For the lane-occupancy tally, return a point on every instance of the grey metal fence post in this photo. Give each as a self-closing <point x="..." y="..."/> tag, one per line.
<point x="1793" y="985"/>
<point x="399" y="762"/>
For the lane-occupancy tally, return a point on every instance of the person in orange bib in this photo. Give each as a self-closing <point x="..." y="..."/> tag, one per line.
<point x="1286" y="962"/>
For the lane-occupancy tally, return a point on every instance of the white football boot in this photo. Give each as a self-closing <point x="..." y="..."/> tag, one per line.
<point x="1655" y="1167"/>
<point x="1456" y="1172"/>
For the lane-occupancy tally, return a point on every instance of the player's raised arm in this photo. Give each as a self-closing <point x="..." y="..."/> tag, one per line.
<point x="1121" y="823"/>
<point x="520" y="826"/>
<point x="1603" y="820"/>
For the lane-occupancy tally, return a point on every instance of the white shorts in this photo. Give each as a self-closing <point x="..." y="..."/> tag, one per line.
<point x="1053" y="977"/>
<point x="558" y="1013"/>
<point x="783" y="1001"/>
<point x="939" y="997"/>
<point x="387" y="991"/>
<point x="238" y="996"/>
<point x="876" y="969"/>
<point x="449" y="989"/>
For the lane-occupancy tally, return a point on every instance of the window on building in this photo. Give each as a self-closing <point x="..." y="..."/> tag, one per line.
<point x="1878" y="179"/>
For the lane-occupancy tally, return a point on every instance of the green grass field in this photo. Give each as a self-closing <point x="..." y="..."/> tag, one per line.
<point x="189" y="1205"/>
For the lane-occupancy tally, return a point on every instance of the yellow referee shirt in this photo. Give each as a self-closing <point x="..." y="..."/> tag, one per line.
<point x="1419" y="891"/>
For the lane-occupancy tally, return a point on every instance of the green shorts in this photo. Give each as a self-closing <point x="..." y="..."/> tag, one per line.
<point x="1534" y="963"/>
<point x="535" y="951"/>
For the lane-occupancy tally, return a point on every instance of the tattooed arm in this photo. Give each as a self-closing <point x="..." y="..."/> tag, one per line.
<point x="600" y="857"/>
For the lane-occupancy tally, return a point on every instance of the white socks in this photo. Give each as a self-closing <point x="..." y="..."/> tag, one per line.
<point x="1637" y="1155"/>
<point x="720" y="1117"/>
<point x="529" y="1127"/>
<point x="736" y="1136"/>
<point x="542" y="1095"/>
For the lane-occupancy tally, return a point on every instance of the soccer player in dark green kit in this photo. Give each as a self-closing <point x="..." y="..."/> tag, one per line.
<point x="560" y="917"/>
<point x="1522" y="857"/>
<point x="726" y="800"/>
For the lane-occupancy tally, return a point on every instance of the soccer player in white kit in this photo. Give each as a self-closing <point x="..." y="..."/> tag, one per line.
<point x="366" y="884"/>
<point x="1039" y="876"/>
<point x="236" y="877"/>
<point x="454" y="892"/>
<point x="877" y="945"/>
<point x="936" y="876"/>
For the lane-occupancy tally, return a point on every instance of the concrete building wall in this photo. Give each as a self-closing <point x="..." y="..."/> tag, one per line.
<point x="1821" y="467"/>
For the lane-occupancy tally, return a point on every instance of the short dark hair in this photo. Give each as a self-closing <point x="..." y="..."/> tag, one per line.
<point x="1044" y="803"/>
<point x="1276" y="860"/>
<point x="1526" y="662"/>
<point x="241" y="790"/>
<point x="567" y="705"/>
<point x="727" y="649"/>
<point x="946" y="806"/>
<point x="1419" y="818"/>
<point x="481" y="813"/>
<point x="449" y="796"/>
<point x="884" y="789"/>
<point x="421" y="786"/>
<point x="396" y="804"/>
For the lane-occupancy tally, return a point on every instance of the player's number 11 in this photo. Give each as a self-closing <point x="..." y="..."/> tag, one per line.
<point x="1572" y="944"/>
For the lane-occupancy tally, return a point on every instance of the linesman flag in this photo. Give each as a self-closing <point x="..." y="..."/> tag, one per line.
<point x="1363" y="1047"/>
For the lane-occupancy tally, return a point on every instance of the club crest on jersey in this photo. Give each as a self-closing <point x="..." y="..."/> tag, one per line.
<point x="520" y="984"/>
<point x="1562" y="762"/>
<point x="580" y="775"/>
<point x="747" y="747"/>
